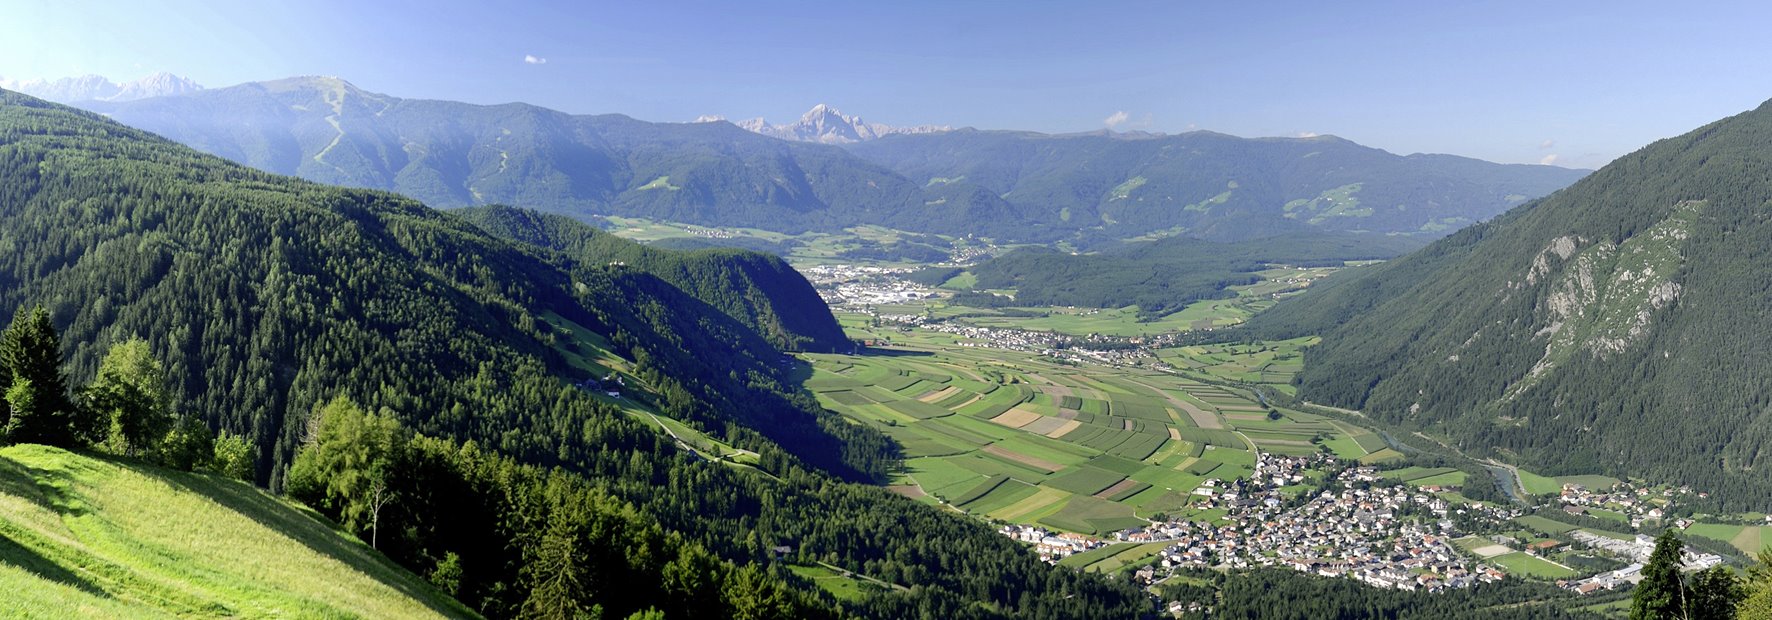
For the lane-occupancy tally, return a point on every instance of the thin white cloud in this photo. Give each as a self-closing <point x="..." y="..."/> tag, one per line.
<point x="534" y="60"/>
<point x="1116" y="119"/>
<point x="1549" y="160"/>
<point x="1546" y="144"/>
<point x="1308" y="134"/>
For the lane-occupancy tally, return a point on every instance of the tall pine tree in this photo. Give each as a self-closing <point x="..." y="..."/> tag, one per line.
<point x="37" y="392"/>
<point x="1660" y="594"/>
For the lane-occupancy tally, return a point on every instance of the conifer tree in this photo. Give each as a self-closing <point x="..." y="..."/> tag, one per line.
<point x="1713" y="594"/>
<point x="1660" y="594"/>
<point x="38" y="394"/>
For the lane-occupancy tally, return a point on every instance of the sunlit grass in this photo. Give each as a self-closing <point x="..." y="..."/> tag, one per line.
<point x="91" y="537"/>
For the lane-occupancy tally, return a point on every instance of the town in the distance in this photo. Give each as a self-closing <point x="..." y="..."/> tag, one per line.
<point x="882" y="311"/>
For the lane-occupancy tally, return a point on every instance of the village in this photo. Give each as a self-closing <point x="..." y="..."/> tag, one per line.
<point x="1359" y="526"/>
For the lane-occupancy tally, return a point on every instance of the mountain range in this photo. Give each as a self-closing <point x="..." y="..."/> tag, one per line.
<point x="826" y="125"/>
<point x="1618" y="326"/>
<point x="98" y="88"/>
<point x="1012" y="186"/>
<point x="1209" y="185"/>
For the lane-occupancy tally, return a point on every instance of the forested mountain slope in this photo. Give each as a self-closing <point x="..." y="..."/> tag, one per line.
<point x="1617" y="326"/>
<point x="1006" y="185"/>
<point x="267" y="296"/>
<point x="1212" y="185"/>
<point x="1163" y="276"/>
<point x="760" y="290"/>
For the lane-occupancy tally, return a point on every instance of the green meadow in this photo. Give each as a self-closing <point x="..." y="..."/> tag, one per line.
<point x="88" y="537"/>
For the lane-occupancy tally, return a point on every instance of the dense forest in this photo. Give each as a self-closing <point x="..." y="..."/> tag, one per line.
<point x="762" y="291"/>
<point x="1616" y="327"/>
<point x="1164" y="276"/>
<point x="1281" y="594"/>
<point x="266" y="297"/>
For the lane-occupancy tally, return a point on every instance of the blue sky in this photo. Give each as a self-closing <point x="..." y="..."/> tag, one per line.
<point x="1516" y="82"/>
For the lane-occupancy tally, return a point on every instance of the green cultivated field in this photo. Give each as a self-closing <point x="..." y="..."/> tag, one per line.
<point x="1520" y="563"/>
<point x="88" y="537"/>
<point x="1021" y="438"/>
<point x="1750" y="539"/>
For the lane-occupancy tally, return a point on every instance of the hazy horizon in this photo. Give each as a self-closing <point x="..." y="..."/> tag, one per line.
<point x="1574" y="86"/>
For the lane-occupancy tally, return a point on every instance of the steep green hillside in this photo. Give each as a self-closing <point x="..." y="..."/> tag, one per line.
<point x="1212" y="185"/>
<point x="757" y="289"/>
<point x="1618" y="326"/>
<point x="1165" y="275"/>
<point x="267" y="296"/>
<point x="1007" y="185"/>
<point x="87" y="537"/>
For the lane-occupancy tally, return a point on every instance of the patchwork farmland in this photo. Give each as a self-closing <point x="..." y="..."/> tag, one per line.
<point x="1022" y="438"/>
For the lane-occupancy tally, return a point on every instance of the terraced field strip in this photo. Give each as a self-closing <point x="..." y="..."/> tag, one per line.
<point x="1200" y="417"/>
<point x="1016" y="418"/>
<point x="939" y="395"/>
<point x="1045" y="497"/>
<point x="1024" y="459"/>
<point x="1085" y="480"/>
<point x="1046" y="425"/>
<point x="1122" y="489"/>
<point x="1093" y="515"/>
<point x="1009" y="492"/>
<point x="918" y="409"/>
<point x="1063" y="429"/>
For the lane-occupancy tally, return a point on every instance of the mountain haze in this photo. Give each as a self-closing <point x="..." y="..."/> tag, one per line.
<point x="1617" y="326"/>
<point x="1006" y="185"/>
<point x="1212" y="185"/>
<point x="97" y="88"/>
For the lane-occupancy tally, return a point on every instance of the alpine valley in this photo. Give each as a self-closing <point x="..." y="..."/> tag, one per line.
<point x="296" y="349"/>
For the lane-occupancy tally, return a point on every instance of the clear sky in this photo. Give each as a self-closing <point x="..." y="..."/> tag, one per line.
<point x="1515" y="82"/>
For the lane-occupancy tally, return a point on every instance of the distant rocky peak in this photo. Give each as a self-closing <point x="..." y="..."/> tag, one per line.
<point x="826" y="124"/>
<point x="98" y="88"/>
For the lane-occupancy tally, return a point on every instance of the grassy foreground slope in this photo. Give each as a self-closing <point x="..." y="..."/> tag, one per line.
<point x="87" y="537"/>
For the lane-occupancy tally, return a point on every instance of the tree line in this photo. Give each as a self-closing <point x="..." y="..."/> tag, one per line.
<point x="125" y="410"/>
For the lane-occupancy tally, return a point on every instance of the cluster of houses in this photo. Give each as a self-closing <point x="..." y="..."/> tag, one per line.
<point x="859" y="286"/>
<point x="1388" y="536"/>
<point x="1636" y="503"/>
<point x="1051" y="547"/>
<point x="1045" y="343"/>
